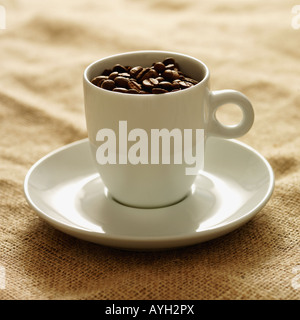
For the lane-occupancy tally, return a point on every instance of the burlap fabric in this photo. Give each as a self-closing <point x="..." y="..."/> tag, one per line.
<point x="249" y="46"/>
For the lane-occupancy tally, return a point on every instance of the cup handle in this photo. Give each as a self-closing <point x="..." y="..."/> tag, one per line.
<point x="220" y="97"/>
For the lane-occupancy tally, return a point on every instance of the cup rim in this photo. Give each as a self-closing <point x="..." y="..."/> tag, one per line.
<point x="167" y="53"/>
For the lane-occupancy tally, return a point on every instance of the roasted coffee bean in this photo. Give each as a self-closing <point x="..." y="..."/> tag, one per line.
<point x="193" y="81"/>
<point x="175" y="85"/>
<point x="119" y="68"/>
<point x="166" y="85"/>
<point x="159" y="79"/>
<point x="151" y="73"/>
<point x="113" y="75"/>
<point x="176" y="75"/>
<point x="169" y="60"/>
<point x="154" y="81"/>
<point x="124" y="74"/>
<point x="106" y="72"/>
<point x="132" y="84"/>
<point x="133" y="91"/>
<point x="146" y="73"/>
<point x="120" y="89"/>
<point x="121" y="82"/>
<point x="185" y="84"/>
<point x="141" y="74"/>
<point x="147" y="84"/>
<point x="170" y="75"/>
<point x="108" y="84"/>
<point x="95" y="81"/>
<point x="135" y="71"/>
<point x="150" y="83"/>
<point x="98" y="80"/>
<point x="159" y="67"/>
<point x="159" y="90"/>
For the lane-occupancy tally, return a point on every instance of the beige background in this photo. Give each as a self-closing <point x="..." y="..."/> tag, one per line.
<point x="248" y="45"/>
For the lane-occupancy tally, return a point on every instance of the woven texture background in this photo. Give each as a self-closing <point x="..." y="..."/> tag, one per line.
<point x="249" y="46"/>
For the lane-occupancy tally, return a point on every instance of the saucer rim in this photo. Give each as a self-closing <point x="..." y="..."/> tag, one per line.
<point x="142" y="241"/>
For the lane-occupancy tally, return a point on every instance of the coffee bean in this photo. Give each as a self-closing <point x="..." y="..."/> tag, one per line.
<point x="193" y="81"/>
<point x="121" y="90"/>
<point x="141" y="74"/>
<point x="133" y="91"/>
<point x="113" y="75"/>
<point x="132" y="84"/>
<point x="106" y="72"/>
<point x="154" y="81"/>
<point x="124" y="74"/>
<point x="150" y="83"/>
<point x="119" y="68"/>
<point x="168" y="75"/>
<point x="176" y="75"/>
<point x="185" y="84"/>
<point x="108" y="84"/>
<point x="95" y="81"/>
<point x="151" y="73"/>
<point x="147" y="84"/>
<point x="169" y="60"/>
<point x="175" y="85"/>
<point x="166" y="85"/>
<point x="98" y="80"/>
<point x="159" y="67"/>
<point x="135" y="71"/>
<point x="121" y="82"/>
<point x="159" y="79"/>
<point x="159" y="90"/>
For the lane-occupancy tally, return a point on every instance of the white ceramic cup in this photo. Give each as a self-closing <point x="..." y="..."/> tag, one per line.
<point x="156" y="184"/>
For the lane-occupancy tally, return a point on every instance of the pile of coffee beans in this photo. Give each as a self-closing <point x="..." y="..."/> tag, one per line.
<point x="161" y="77"/>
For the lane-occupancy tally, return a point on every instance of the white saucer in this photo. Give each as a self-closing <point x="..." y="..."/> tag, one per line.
<point x="65" y="190"/>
